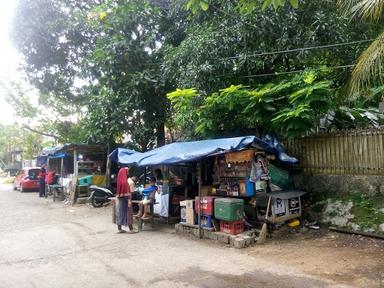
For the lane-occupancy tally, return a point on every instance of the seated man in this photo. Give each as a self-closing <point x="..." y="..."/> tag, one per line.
<point x="148" y="198"/>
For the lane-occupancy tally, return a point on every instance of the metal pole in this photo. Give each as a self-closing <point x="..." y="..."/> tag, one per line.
<point x="199" y="212"/>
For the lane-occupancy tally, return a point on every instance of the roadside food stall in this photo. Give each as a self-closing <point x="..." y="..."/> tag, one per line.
<point x="172" y="186"/>
<point x="228" y="180"/>
<point x="79" y="166"/>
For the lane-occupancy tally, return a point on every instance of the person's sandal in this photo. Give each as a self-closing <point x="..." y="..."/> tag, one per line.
<point x="121" y="231"/>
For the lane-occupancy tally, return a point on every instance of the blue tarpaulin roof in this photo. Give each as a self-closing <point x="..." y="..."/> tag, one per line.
<point x="182" y="152"/>
<point x="63" y="151"/>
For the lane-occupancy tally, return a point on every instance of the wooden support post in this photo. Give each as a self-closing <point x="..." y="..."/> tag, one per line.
<point x="75" y="168"/>
<point x="108" y="173"/>
<point x="199" y="212"/>
<point x="62" y="167"/>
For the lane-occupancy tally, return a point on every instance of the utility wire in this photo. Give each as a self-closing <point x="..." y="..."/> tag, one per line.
<point x="288" y="50"/>
<point x="302" y="49"/>
<point x="295" y="71"/>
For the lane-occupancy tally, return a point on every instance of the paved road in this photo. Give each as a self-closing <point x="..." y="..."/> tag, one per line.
<point x="46" y="244"/>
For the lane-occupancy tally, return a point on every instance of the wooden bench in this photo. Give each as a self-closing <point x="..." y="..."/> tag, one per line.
<point x="150" y="219"/>
<point x="57" y="190"/>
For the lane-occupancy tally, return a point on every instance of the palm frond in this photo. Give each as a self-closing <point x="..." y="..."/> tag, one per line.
<point x="369" y="67"/>
<point x="368" y="9"/>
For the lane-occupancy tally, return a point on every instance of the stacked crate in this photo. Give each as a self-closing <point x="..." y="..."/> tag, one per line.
<point x="207" y="208"/>
<point x="230" y="213"/>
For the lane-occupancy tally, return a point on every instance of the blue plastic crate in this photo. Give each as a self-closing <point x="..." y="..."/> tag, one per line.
<point x="206" y="221"/>
<point x="250" y="188"/>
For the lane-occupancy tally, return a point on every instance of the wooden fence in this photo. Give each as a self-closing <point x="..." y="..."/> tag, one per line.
<point x="356" y="152"/>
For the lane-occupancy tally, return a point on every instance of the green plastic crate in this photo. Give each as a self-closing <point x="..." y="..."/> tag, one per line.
<point x="229" y="209"/>
<point x="279" y="177"/>
<point x="86" y="180"/>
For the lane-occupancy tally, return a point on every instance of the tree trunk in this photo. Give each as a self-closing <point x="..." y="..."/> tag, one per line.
<point x="160" y="135"/>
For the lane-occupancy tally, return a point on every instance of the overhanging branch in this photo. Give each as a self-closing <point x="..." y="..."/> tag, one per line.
<point x="40" y="132"/>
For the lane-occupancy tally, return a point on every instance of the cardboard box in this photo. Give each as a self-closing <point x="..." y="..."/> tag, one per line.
<point x="187" y="214"/>
<point x="190" y="217"/>
<point x="187" y="203"/>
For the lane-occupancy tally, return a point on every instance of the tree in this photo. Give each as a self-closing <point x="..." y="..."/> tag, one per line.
<point x="129" y="97"/>
<point x="223" y="47"/>
<point x="368" y="70"/>
<point x="84" y="54"/>
<point x="14" y="137"/>
<point x="46" y="122"/>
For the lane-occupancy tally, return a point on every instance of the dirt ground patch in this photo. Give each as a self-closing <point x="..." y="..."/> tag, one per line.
<point x="48" y="244"/>
<point x="350" y="259"/>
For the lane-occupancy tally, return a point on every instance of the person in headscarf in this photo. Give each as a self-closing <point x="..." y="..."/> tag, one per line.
<point x="41" y="177"/>
<point x="124" y="202"/>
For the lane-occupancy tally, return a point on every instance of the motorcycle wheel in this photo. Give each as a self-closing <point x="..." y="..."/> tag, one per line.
<point x="96" y="204"/>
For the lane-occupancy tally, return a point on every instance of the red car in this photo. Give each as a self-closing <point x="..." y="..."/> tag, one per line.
<point x="27" y="179"/>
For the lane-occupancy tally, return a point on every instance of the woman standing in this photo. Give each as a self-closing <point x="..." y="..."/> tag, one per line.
<point x="124" y="203"/>
<point x="41" y="177"/>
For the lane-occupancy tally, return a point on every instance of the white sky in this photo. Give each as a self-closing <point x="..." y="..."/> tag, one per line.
<point x="8" y="58"/>
<point x="9" y="61"/>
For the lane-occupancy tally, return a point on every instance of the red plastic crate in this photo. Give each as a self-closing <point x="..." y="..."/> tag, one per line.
<point x="233" y="227"/>
<point x="206" y="205"/>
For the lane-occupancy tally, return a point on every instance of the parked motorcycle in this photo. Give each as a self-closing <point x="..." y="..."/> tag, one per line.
<point x="100" y="195"/>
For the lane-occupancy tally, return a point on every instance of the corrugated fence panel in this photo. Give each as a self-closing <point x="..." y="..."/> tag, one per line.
<point x="357" y="152"/>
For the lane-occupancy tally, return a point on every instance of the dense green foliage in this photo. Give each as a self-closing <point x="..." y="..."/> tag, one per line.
<point x="104" y="68"/>
<point x="224" y="47"/>
<point x="245" y="6"/>
<point x="290" y="107"/>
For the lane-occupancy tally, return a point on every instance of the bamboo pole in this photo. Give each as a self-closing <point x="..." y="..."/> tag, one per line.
<point x="380" y="155"/>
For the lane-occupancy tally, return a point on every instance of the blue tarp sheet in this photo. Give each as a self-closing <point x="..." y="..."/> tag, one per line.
<point x="47" y="151"/>
<point x="58" y="155"/>
<point x="121" y="155"/>
<point x="41" y="160"/>
<point x="182" y="152"/>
